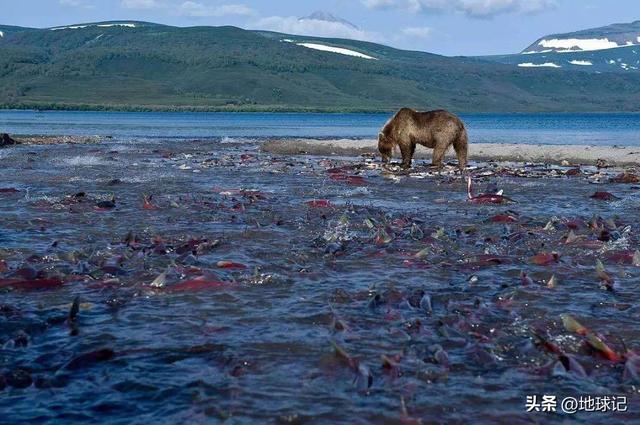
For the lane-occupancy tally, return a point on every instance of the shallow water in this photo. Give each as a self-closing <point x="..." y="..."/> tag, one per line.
<point x="578" y="129"/>
<point x="252" y="341"/>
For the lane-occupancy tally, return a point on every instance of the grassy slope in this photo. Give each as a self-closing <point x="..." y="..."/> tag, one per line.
<point x="156" y="67"/>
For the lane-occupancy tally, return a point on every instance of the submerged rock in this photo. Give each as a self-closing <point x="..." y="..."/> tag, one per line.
<point x="6" y="140"/>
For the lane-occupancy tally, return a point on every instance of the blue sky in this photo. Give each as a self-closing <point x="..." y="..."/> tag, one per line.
<point x="451" y="27"/>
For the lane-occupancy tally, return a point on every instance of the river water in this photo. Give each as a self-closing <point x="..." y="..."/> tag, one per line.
<point x="214" y="282"/>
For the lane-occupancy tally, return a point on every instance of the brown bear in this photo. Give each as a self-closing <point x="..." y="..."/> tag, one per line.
<point x="437" y="130"/>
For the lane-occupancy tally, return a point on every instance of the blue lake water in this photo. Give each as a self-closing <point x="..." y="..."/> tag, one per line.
<point x="597" y="129"/>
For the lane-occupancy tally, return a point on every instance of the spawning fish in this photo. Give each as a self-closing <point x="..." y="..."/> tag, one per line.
<point x="146" y="203"/>
<point x="572" y="325"/>
<point x="486" y="198"/>
<point x="196" y="284"/>
<point x="607" y="280"/>
<point x="159" y="281"/>
<point x="604" y="196"/>
<point x="364" y="377"/>
<point x="545" y="343"/>
<point x="319" y="203"/>
<point x="230" y="265"/>
<point x="503" y="218"/>
<point x="545" y="258"/>
<point x="32" y="284"/>
<point x="597" y="343"/>
<point x="383" y="238"/>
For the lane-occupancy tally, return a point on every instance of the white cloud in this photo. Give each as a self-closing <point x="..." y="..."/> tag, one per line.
<point x="380" y="4"/>
<point x="139" y="4"/>
<point x="201" y="10"/>
<point x="313" y="27"/>
<point x="473" y="8"/>
<point x="418" y="32"/>
<point x="76" y="3"/>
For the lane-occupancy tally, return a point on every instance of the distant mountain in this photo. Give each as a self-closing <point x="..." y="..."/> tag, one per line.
<point x="614" y="48"/>
<point x="328" y="17"/>
<point x="602" y="38"/>
<point x="130" y="65"/>
<point x="6" y="30"/>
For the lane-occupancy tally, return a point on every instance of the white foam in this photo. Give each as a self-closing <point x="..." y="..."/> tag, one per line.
<point x="1" y="34"/>
<point x="539" y="65"/>
<point x="573" y="44"/>
<point x="581" y="63"/>
<point x="227" y="139"/>
<point x="76" y="27"/>
<point x="338" y="50"/>
<point x="84" y="160"/>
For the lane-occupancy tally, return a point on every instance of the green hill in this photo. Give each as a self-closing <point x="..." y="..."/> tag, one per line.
<point x="143" y="66"/>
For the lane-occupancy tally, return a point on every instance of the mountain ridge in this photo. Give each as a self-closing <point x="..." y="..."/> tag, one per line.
<point x="598" y="38"/>
<point x="161" y="67"/>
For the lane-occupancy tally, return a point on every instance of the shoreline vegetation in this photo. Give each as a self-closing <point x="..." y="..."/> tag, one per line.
<point x="79" y="107"/>
<point x="50" y="107"/>
<point x="615" y="156"/>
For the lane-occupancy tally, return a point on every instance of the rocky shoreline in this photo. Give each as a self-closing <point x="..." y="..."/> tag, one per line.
<point x="50" y="140"/>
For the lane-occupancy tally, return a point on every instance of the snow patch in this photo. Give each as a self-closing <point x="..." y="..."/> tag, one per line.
<point x="76" y="27"/>
<point x="573" y="44"/>
<point x="539" y="65"/>
<point x="338" y="50"/>
<point x="533" y="52"/>
<point x="581" y="63"/>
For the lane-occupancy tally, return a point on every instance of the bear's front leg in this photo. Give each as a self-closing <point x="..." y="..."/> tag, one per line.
<point x="407" y="152"/>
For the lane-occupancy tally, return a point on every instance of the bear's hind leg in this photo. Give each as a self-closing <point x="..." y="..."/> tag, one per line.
<point x="461" y="146"/>
<point x="438" y="155"/>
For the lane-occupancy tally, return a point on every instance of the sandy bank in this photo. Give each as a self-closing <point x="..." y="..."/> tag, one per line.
<point x="553" y="154"/>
